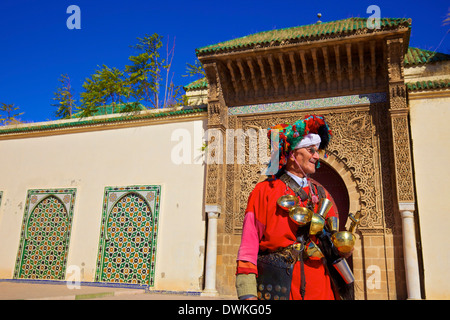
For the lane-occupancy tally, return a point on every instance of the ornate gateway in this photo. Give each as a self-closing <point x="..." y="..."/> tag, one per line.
<point x="352" y="75"/>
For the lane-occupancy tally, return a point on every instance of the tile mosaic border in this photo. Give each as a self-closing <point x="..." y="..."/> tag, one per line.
<point x="152" y="195"/>
<point x="34" y="197"/>
<point x="358" y="99"/>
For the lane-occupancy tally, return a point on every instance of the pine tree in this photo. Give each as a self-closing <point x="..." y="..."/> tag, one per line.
<point x="138" y="83"/>
<point x="145" y="70"/>
<point x="65" y="101"/>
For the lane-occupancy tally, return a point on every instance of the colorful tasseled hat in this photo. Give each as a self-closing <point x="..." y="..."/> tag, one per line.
<point x="291" y="135"/>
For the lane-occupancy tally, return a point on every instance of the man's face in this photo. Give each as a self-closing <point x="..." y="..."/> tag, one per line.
<point x="306" y="158"/>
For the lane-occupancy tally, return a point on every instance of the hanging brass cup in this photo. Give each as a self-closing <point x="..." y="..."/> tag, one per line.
<point x="317" y="224"/>
<point x="300" y="215"/>
<point x="344" y="241"/>
<point x="313" y="251"/>
<point x="332" y="224"/>
<point x="287" y="201"/>
<point x="324" y="206"/>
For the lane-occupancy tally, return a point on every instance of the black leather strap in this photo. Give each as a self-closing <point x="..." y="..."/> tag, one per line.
<point x="294" y="186"/>
<point x="291" y="183"/>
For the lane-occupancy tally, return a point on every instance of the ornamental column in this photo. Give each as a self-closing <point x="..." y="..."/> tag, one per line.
<point x="215" y="171"/>
<point x="401" y="142"/>
<point x="213" y="212"/>
<point x="409" y="250"/>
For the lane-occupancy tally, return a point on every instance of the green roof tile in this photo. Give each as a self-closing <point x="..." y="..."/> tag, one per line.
<point x="97" y="121"/>
<point x="413" y="57"/>
<point x="428" y="85"/>
<point x="110" y="109"/>
<point x="197" y="85"/>
<point x="416" y="56"/>
<point x="349" y="25"/>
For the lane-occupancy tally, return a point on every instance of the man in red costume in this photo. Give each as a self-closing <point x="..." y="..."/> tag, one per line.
<point x="267" y="227"/>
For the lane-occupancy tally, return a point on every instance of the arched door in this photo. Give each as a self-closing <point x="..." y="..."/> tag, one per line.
<point x="331" y="180"/>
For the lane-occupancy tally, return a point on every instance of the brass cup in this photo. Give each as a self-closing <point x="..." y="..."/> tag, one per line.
<point x="317" y="224"/>
<point x="333" y="224"/>
<point x="324" y="206"/>
<point x="313" y="251"/>
<point x="300" y="215"/>
<point x="344" y="241"/>
<point x="287" y="201"/>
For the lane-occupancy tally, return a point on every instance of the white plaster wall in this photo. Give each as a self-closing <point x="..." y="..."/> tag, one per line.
<point x="430" y="132"/>
<point x="90" y="161"/>
<point x="197" y="97"/>
<point x="432" y="71"/>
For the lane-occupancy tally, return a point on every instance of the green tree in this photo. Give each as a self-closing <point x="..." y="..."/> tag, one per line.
<point x="114" y="85"/>
<point x="195" y="70"/>
<point x="92" y="98"/>
<point x="107" y="86"/>
<point x="139" y="82"/>
<point x="65" y="101"/>
<point x="145" y="70"/>
<point x="9" y="116"/>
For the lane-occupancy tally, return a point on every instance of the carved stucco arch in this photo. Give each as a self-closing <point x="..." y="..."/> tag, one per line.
<point x="353" y="152"/>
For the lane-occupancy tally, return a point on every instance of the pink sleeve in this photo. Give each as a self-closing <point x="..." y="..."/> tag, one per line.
<point x="252" y="232"/>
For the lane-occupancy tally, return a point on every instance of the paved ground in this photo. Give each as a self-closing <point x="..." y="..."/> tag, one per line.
<point x="43" y="291"/>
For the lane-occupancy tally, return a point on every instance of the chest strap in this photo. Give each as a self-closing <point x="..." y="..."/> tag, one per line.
<point x="291" y="183"/>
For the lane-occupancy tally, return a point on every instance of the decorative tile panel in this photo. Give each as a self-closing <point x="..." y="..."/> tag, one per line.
<point x="45" y="234"/>
<point x="358" y="99"/>
<point x="128" y="236"/>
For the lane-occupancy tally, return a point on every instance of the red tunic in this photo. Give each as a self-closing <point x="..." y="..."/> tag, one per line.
<point x="268" y="227"/>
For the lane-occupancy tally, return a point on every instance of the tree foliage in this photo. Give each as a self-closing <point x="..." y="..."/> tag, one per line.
<point x="195" y="70"/>
<point x="145" y="71"/>
<point x="138" y="84"/>
<point x="64" y="98"/>
<point x="8" y="113"/>
<point x="107" y="86"/>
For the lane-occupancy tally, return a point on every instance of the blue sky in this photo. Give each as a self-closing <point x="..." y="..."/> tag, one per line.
<point x="36" y="46"/>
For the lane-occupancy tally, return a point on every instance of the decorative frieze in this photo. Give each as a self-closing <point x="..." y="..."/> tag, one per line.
<point x="351" y="100"/>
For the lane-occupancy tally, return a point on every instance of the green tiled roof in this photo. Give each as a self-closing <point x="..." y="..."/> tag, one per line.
<point x="197" y="85"/>
<point x="72" y="123"/>
<point x="428" y="85"/>
<point x="306" y="32"/>
<point x="416" y="56"/>
<point x="109" y="109"/>
<point x="413" y="57"/>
